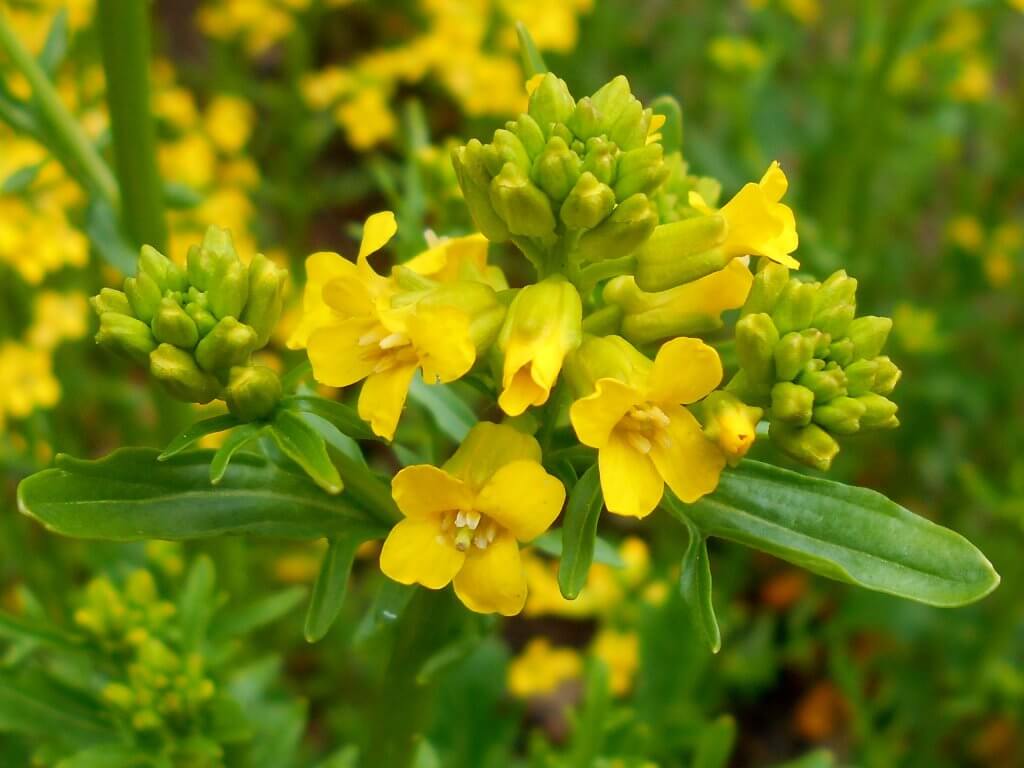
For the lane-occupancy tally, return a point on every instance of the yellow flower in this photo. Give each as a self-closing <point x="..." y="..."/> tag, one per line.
<point x="637" y="419"/>
<point x="26" y="380"/>
<point x="541" y="669"/>
<point x="735" y="54"/>
<point x="190" y="160"/>
<point x="459" y="258"/>
<point x="228" y="123"/>
<point x="965" y="232"/>
<point x="620" y="652"/>
<point x="974" y="81"/>
<point x="807" y="12"/>
<point x="757" y="223"/>
<point x="543" y="325"/>
<point x="462" y="521"/>
<point x="58" y="316"/>
<point x="601" y="593"/>
<point x="366" y="118"/>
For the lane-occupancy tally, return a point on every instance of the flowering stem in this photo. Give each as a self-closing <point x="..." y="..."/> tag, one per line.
<point x="125" y="38"/>
<point x="73" y="144"/>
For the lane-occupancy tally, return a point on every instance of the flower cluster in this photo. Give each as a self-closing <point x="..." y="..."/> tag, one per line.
<point x="633" y="260"/>
<point x="197" y="328"/>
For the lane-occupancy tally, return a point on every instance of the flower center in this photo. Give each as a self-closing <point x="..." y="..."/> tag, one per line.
<point x="644" y="425"/>
<point x="463" y="528"/>
<point x="386" y="349"/>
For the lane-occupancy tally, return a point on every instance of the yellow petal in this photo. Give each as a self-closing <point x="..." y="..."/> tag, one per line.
<point x="595" y="416"/>
<point x="423" y="490"/>
<point x="337" y="358"/>
<point x="521" y="391"/>
<point x="492" y="579"/>
<point x="685" y="370"/>
<point x="523" y="498"/>
<point x="486" y="449"/>
<point x="629" y="480"/>
<point x="440" y="336"/>
<point x="348" y="295"/>
<point x="383" y="397"/>
<point x="696" y="200"/>
<point x="377" y="231"/>
<point x="689" y="463"/>
<point x="321" y="267"/>
<point x="416" y="553"/>
<point x="774" y="182"/>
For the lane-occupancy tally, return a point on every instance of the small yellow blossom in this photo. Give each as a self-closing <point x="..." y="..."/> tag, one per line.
<point x="26" y="381"/>
<point x="757" y="223"/>
<point x="463" y="520"/>
<point x="644" y="434"/>
<point x="367" y="118"/>
<point x="965" y="231"/>
<point x="735" y="54"/>
<point x="541" y="669"/>
<point x="620" y="652"/>
<point x="58" y="317"/>
<point x="229" y="121"/>
<point x="974" y="81"/>
<point x="807" y="12"/>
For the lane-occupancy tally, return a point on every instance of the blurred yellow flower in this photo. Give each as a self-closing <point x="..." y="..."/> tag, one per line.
<point x="807" y="12"/>
<point x="735" y="54"/>
<point x="367" y="118"/>
<point x="228" y="121"/>
<point x="974" y="81"/>
<point x="26" y="381"/>
<point x="620" y="653"/>
<point x="58" y="317"/>
<point x="965" y="231"/>
<point x="541" y="669"/>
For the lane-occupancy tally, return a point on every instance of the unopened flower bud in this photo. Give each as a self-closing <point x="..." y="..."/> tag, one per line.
<point x="530" y="134"/>
<point x="110" y="300"/>
<point x="601" y="159"/>
<point x="253" y="392"/>
<point x="879" y="411"/>
<point x="476" y="189"/>
<point x="810" y="445"/>
<point x="625" y="230"/>
<point x="630" y="129"/>
<point x="840" y="416"/>
<point x="588" y="203"/>
<point x="229" y="344"/>
<point x="869" y="334"/>
<point x="127" y="335"/>
<point x="266" y="297"/>
<point x="172" y="325"/>
<point x="680" y="252"/>
<point x="826" y="381"/>
<point x="860" y="376"/>
<point x="730" y="423"/>
<point x="168" y="275"/>
<point x="769" y="281"/>
<point x="504" y="148"/>
<point x="178" y="372"/>
<point x="585" y="121"/>
<point x="523" y="207"/>
<point x="835" y="304"/>
<point x="886" y="376"/>
<point x="795" y="306"/>
<point x="640" y="170"/>
<point x="144" y="295"/>
<point x="792" y="403"/>
<point x="203" y="319"/>
<point x="756" y="339"/>
<point x="477" y="301"/>
<point x="556" y="169"/>
<point x="603" y="357"/>
<point x="229" y="283"/>
<point x="551" y="102"/>
<point x="793" y="352"/>
<point x="612" y="98"/>
<point x="841" y="352"/>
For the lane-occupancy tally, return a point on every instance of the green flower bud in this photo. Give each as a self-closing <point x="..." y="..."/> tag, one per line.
<point x="201" y="317"/>
<point x="601" y="159"/>
<point x="869" y="334"/>
<point x="556" y="169"/>
<point x="603" y="357"/>
<point x="172" y="325"/>
<point x="625" y="230"/>
<point x="756" y="339"/>
<point x="825" y="381"/>
<point x="168" y="275"/>
<point x="792" y="403"/>
<point x="252" y="392"/>
<point x="585" y="120"/>
<point x="529" y="133"/>
<point x="551" y="102"/>
<point x="841" y="416"/>
<point x="178" y="372"/>
<point x="588" y="203"/>
<point x="793" y="352"/>
<point x="144" y="295"/>
<point x="879" y="412"/>
<point x="504" y="148"/>
<point x="229" y="344"/>
<point x="477" y="301"/>
<point x="795" y="306"/>
<point x="835" y="304"/>
<point x="266" y="297"/>
<point x="199" y="265"/>
<point x="860" y="376"/>
<point x="886" y="376"/>
<point x="841" y="352"/>
<point x="640" y="170"/>
<point x="126" y="335"/>
<point x="810" y="445"/>
<point x="612" y="98"/>
<point x="110" y="300"/>
<point x="476" y="185"/>
<point x="630" y="129"/>
<point x="229" y="284"/>
<point x="768" y="284"/>
<point x="523" y="207"/>
<point x="681" y="252"/>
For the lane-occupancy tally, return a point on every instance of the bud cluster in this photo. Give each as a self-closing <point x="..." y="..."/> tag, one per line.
<point x="567" y="177"/>
<point x="814" y="365"/>
<point x="197" y="328"/>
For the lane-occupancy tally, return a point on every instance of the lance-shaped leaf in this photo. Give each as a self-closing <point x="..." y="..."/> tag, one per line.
<point x="452" y="415"/>
<point x="695" y="582"/>
<point x="342" y="416"/>
<point x="197" y="432"/>
<point x="579" y="533"/>
<point x="331" y="586"/>
<point x="129" y="495"/>
<point x="303" y="445"/>
<point x="843" y="532"/>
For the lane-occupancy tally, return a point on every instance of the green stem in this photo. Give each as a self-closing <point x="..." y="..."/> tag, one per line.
<point x="426" y="626"/>
<point x="125" y="38"/>
<point x="74" y="145"/>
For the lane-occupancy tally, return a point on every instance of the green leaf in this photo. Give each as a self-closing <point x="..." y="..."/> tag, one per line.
<point x="234" y="442"/>
<point x="331" y="586"/>
<point x="178" y="196"/>
<point x="32" y="704"/>
<point x="715" y="744"/>
<point x="695" y="585"/>
<point x="22" y="628"/>
<point x="110" y="755"/>
<point x="198" y="431"/>
<point x="197" y="602"/>
<point x="21" y="179"/>
<point x="102" y="228"/>
<point x="672" y="130"/>
<point x="129" y="495"/>
<point x="579" y="533"/>
<point x="342" y="416"/>
<point x="56" y="46"/>
<point x="550" y="543"/>
<point x="533" y="62"/>
<point x="303" y="445"/>
<point x="255" y="614"/>
<point x="589" y="730"/>
<point x="846" y="533"/>
<point x="452" y="415"/>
